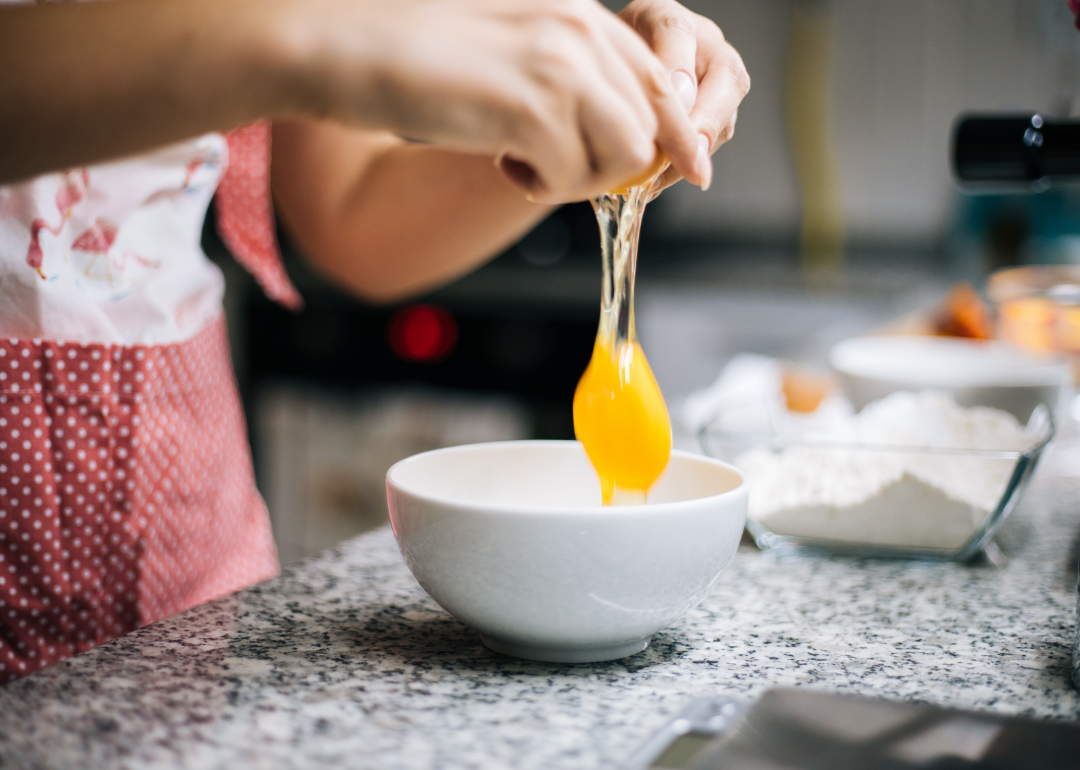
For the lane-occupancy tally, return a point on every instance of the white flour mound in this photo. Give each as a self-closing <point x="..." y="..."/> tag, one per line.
<point x="933" y="500"/>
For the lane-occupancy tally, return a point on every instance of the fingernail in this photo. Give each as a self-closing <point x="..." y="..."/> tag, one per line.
<point x="703" y="164"/>
<point x="685" y="87"/>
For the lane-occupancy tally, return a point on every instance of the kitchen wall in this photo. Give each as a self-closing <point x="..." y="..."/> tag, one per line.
<point x="902" y="71"/>
<point x="322" y="455"/>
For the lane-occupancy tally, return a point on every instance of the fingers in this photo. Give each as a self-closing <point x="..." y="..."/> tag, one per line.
<point x="587" y="125"/>
<point x="606" y="97"/>
<point x="671" y="175"/>
<point x="547" y="157"/>
<point x="620" y="72"/>
<point x="687" y="42"/>
<point x="619" y="149"/>
<point x="602" y="149"/>
<point x="670" y="34"/>
<point x="675" y="134"/>
<point x="723" y="82"/>
<point x="623" y="145"/>
<point x="598" y="64"/>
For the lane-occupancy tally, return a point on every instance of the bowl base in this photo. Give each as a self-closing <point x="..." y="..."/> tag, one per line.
<point x="564" y="654"/>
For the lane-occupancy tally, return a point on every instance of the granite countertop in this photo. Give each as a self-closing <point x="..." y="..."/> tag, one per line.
<point x="345" y="662"/>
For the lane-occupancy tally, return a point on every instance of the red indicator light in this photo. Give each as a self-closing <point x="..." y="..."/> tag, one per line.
<point x="424" y="333"/>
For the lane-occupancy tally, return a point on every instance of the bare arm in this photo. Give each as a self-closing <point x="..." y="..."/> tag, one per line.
<point x="85" y="82"/>
<point x="385" y="218"/>
<point x="564" y="94"/>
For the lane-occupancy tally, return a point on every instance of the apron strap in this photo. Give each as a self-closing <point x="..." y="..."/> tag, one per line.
<point x="245" y="213"/>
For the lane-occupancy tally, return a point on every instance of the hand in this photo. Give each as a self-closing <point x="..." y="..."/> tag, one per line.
<point x="567" y="98"/>
<point x="707" y="73"/>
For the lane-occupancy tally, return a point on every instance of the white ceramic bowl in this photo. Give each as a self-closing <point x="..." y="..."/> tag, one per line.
<point x="511" y="538"/>
<point x="976" y="373"/>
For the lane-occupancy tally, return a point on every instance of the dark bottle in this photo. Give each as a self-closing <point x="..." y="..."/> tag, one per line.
<point x="1015" y="149"/>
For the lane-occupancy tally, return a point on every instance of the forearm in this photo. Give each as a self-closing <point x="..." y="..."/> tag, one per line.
<point x="386" y="219"/>
<point x="85" y="82"/>
<point x="565" y="94"/>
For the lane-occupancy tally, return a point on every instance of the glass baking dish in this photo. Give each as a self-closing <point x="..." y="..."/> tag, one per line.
<point x="958" y="530"/>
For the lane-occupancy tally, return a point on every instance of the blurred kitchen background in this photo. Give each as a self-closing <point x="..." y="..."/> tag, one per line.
<point x="832" y="212"/>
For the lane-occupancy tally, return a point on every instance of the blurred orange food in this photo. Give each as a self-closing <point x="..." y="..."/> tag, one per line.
<point x="1038" y="307"/>
<point x="804" y="390"/>
<point x="964" y="314"/>
<point x="1028" y="321"/>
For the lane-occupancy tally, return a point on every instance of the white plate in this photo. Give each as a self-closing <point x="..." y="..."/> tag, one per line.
<point x="976" y="373"/>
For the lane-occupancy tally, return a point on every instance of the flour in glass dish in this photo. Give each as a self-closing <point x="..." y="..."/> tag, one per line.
<point x="932" y="500"/>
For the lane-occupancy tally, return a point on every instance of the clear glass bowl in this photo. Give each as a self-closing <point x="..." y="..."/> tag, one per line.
<point x="960" y="531"/>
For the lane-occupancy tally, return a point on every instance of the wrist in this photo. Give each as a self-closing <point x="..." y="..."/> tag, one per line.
<point x="268" y="51"/>
<point x="312" y="62"/>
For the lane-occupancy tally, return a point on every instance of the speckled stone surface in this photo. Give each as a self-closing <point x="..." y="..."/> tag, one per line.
<point x="345" y="662"/>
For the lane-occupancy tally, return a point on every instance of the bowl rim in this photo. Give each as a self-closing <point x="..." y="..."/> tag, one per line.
<point x="645" y="509"/>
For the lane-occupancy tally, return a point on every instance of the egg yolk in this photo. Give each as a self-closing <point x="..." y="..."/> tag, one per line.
<point x="619" y="413"/>
<point x="621" y="420"/>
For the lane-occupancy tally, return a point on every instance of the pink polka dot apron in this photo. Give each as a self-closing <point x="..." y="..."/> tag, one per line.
<point x="126" y="487"/>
